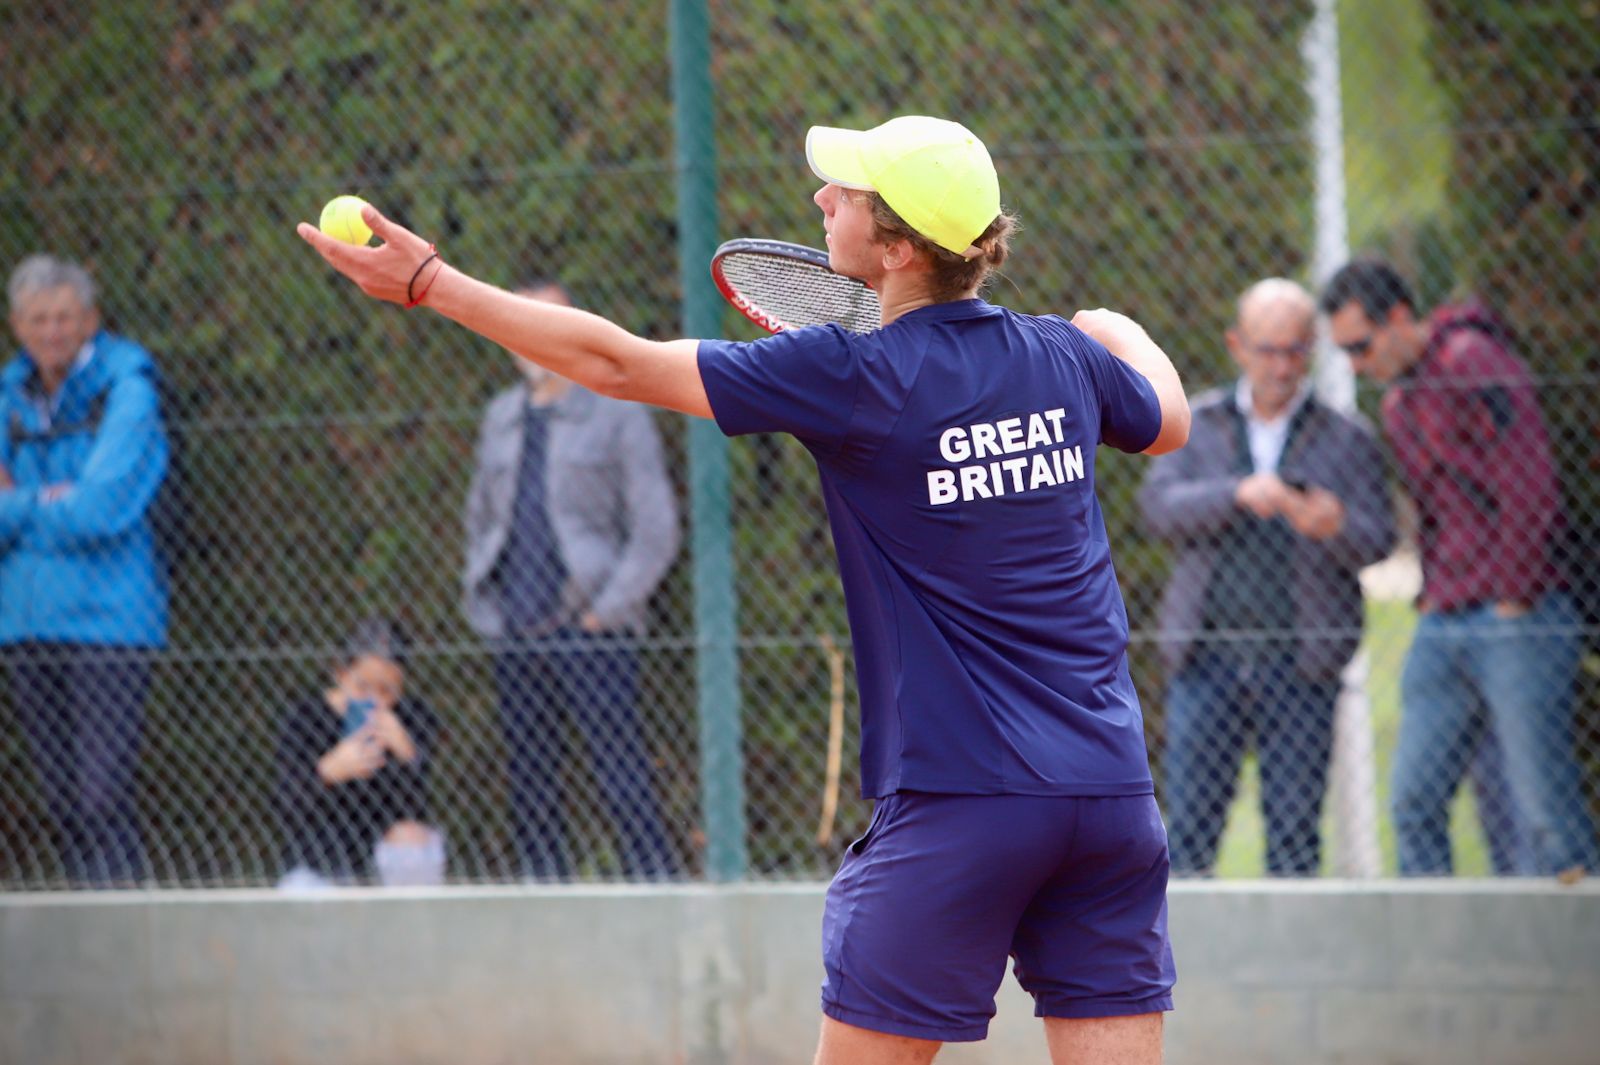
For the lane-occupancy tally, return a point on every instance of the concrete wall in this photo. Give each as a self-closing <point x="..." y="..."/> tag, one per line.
<point x="1456" y="971"/>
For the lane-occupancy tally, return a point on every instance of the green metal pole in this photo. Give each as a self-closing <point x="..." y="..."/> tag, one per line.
<point x="721" y="748"/>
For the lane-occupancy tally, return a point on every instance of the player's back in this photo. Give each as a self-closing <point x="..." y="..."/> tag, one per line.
<point x="956" y="448"/>
<point x="973" y="548"/>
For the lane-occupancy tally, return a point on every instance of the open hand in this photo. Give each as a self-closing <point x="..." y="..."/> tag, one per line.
<point x="383" y="271"/>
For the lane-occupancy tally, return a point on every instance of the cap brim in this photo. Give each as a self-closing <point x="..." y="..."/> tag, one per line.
<point x="834" y="155"/>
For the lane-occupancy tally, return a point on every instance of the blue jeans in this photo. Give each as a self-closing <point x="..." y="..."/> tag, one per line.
<point x="82" y="709"/>
<point x="1509" y="851"/>
<point x="589" y="685"/>
<point x="1214" y="704"/>
<point x="1469" y="671"/>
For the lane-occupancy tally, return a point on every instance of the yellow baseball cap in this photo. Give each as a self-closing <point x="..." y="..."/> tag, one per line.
<point x="936" y="174"/>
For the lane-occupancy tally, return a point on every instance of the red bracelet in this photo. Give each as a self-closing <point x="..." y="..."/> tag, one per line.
<point x="413" y="301"/>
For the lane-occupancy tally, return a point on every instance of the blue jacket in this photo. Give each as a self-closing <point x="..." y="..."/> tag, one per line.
<point x="82" y="568"/>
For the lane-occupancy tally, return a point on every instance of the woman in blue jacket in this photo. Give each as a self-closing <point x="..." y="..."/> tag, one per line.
<point x="82" y="600"/>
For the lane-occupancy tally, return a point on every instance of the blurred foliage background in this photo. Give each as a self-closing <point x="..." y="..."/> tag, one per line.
<point x="1158" y="154"/>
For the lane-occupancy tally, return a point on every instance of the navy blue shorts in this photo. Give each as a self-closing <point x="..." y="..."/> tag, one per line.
<point x="929" y="902"/>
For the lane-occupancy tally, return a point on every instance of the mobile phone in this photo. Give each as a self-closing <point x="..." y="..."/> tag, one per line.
<point x="356" y="713"/>
<point x="1299" y="484"/>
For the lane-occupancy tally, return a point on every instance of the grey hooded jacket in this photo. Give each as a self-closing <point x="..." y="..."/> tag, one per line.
<point x="610" y="502"/>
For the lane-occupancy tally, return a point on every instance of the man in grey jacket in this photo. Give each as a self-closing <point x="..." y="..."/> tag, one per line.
<point x="1273" y="507"/>
<point x="571" y="524"/>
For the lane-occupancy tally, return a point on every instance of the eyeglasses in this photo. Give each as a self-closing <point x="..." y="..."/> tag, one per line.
<point x="1357" y="348"/>
<point x="1287" y="351"/>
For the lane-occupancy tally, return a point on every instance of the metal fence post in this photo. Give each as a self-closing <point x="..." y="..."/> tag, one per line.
<point x="721" y="762"/>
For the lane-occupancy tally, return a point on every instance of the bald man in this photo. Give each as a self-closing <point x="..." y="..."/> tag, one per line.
<point x="1273" y="507"/>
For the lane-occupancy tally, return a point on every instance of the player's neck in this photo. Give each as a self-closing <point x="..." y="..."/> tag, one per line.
<point x="902" y="291"/>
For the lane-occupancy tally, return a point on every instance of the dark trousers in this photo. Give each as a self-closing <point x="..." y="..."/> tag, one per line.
<point x="1214" y="705"/>
<point x="566" y="683"/>
<point x="82" y="709"/>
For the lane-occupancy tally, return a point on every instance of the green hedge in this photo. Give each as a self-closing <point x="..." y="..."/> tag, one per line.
<point x="1524" y="199"/>
<point x="1153" y="151"/>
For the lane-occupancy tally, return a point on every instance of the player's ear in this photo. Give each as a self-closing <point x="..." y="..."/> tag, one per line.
<point x="898" y="254"/>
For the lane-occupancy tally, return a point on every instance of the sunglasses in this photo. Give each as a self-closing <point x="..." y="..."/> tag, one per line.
<point x="1357" y="348"/>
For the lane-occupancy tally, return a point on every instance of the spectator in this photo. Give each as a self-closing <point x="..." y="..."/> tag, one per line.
<point x="1497" y="642"/>
<point x="1273" y="507"/>
<point x="82" y="601"/>
<point x="353" y="765"/>
<point x="570" y="524"/>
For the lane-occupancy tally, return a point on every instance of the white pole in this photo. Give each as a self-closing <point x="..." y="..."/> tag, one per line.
<point x="1352" y="777"/>
<point x="1335" y="382"/>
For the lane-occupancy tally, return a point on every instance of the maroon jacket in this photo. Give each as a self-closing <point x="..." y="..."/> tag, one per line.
<point x="1472" y="447"/>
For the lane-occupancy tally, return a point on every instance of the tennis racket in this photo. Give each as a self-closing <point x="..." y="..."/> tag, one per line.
<point x="779" y="286"/>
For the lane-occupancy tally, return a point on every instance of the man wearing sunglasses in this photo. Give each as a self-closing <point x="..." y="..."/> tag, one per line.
<point x="1497" y="643"/>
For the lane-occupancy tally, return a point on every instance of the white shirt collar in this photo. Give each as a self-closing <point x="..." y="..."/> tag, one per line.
<point x="1267" y="438"/>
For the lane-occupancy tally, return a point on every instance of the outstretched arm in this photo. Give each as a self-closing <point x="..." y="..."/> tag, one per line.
<point x="1127" y="340"/>
<point x="584" y="347"/>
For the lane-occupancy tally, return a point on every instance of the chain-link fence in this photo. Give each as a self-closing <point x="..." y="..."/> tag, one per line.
<point x="385" y="650"/>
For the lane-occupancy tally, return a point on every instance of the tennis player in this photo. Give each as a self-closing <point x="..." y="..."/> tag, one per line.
<point x="1000" y="732"/>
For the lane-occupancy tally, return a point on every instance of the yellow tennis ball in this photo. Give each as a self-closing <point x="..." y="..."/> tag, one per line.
<point x="341" y="219"/>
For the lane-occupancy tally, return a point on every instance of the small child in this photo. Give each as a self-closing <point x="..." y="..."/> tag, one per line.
<point x="353" y="766"/>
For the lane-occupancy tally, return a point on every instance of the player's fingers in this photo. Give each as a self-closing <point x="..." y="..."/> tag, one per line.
<point x="375" y="270"/>
<point x="353" y="262"/>
<point x="385" y="230"/>
<point x="332" y="250"/>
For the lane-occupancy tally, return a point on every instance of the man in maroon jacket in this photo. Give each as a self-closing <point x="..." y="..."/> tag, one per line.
<point x="1497" y="642"/>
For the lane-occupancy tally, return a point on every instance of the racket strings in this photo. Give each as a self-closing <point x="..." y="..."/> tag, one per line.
<point x="802" y="294"/>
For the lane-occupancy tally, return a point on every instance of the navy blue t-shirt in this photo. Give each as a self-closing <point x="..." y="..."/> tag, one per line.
<point x="956" y="448"/>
